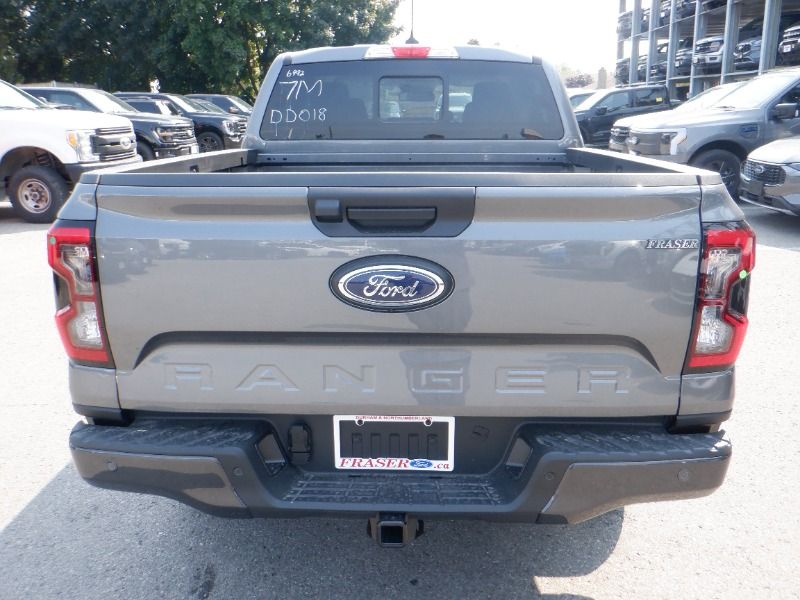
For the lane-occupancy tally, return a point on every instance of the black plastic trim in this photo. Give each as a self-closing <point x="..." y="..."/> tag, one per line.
<point x="218" y="468"/>
<point x="691" y="423"/>
<point x="391" y="212"/>
<point x="102" y="413"/>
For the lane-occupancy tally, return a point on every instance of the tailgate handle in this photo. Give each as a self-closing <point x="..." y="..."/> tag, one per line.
<point x="391" y="217"/>
<point x="391" y="211"/>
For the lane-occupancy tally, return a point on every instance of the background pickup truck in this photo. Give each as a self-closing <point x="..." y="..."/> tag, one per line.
<point x="596" y="115"/>
<point x="385" y="308"/>
<point x="720" y="136"/>
<point x="43" y="151"/>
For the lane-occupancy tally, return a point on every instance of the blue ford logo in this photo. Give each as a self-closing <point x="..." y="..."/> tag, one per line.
<point x="420" y="463"/>
<point x="391" y="283"/>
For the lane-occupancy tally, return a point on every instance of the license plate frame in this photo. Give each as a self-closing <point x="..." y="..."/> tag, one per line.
<point x="394" y="463"/>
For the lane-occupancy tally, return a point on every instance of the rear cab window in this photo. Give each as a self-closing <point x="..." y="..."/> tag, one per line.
<point x="412" y="99"/>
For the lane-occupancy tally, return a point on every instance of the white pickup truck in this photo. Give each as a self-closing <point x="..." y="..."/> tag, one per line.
<point x="44" y="151"/>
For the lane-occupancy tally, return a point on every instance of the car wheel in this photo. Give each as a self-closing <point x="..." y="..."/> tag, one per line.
<point x="144" y="150"/>
<point x="726" y="163"/>
<point x="37" y="193"/>
<point x="210" y="142"/>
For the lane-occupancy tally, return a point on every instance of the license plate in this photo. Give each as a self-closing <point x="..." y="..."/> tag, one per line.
<point x="194" y="149"/>
<point x="394" y="442"/>
<point x="786" y="48"/>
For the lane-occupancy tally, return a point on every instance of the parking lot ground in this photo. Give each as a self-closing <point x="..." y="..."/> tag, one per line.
<point x="60" y="538"/>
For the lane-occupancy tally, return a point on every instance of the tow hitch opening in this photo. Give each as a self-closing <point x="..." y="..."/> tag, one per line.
<point x="394" y="530"/>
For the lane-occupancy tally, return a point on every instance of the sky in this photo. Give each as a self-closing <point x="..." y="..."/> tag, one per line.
<point x="577" y="33"/>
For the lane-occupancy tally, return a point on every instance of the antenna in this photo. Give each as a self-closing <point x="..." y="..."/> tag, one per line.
<point x="411" y="39"/>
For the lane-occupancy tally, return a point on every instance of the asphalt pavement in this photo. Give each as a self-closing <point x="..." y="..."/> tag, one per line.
<point x="60" y="538"/>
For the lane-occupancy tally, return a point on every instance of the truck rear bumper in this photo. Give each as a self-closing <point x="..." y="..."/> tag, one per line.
<point x="549" y="474"/>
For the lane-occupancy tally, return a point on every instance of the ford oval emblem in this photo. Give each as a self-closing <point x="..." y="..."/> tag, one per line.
<point x="391" y="283"/>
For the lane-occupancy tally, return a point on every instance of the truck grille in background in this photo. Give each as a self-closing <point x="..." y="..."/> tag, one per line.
<point x="704" y="47"/>
<point x="107" y="143"/>
<point x="791" y="34"/>
<point x="181" y="134"/>
<point x="619" y="134"/>
<point x="743" y="48"/>
<point x="646" y="143"/>
<point x="241" y="126"/>
<point x="769" y="174"/>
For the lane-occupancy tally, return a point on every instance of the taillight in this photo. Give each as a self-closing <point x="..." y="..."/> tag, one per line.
<point x="721" y="319"/>
<point x="411" y="51"/>
<point x="79" y="316"/>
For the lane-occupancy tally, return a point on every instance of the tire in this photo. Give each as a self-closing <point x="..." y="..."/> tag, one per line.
<point x="37" y="193"/>
<point x="144" y="150"/>
<point x="724" y="162"/>
<point x="210" y="142"/>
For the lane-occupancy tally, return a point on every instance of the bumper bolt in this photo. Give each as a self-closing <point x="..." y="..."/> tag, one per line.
<point x="238" y="471"/>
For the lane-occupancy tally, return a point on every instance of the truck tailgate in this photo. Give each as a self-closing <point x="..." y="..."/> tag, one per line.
<point x="217" y="299"/>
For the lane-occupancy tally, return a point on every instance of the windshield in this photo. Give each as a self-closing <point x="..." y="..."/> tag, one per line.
<point x="107" y="103"/>
<point x="208" y="106"/>
<point x="589" y="102"/>
<point x="11" y="97"/>
<point x="576" y="99"/>
<point x="756" y="92"/>
<point x="241" y="104"/>
<point x="707" y="98"/>
<point x="186" y="104"/>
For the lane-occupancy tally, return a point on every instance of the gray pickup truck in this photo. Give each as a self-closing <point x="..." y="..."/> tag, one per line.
<point x="382" y="307"/>
<point x="720" y="136"/>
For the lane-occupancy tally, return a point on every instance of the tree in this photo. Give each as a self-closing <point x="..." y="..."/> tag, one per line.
<point x="12" y="25"/>
<point x="189" y="45"/>
<point x="578" y="80"/>
<point x="473" y="42"/>
<point x="246" y="36"/>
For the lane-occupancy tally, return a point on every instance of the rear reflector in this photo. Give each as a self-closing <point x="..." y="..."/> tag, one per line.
<point x="410" y="51"/>
<point x="721" y="321"/>
<point x="70" y="252"/>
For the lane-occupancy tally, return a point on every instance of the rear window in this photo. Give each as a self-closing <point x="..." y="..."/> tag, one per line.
<point x="406" y="99"/>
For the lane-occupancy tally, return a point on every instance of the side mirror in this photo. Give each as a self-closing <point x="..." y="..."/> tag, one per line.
<point x="601" y="110"/>
<point x="233" y="110"/>
<point x="782" y="112"/>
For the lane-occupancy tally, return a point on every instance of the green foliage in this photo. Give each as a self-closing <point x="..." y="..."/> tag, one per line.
<point x="12" y="26"/>
<point x="579" y="80"/>
<point x="189" y="45"/>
